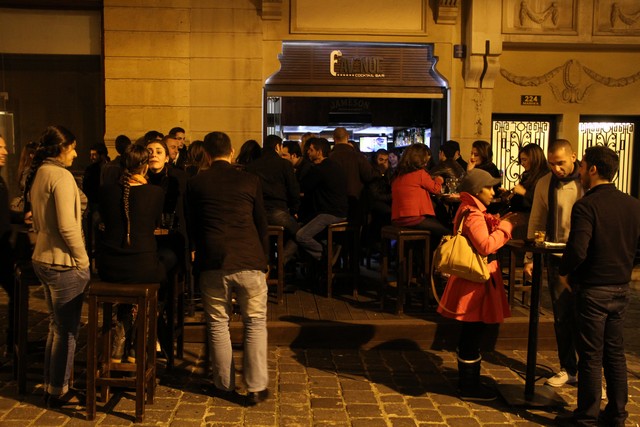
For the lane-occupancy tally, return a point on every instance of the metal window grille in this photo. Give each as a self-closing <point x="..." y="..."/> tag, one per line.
<point x="618" y="137"/>
<point x="508" y="136"/>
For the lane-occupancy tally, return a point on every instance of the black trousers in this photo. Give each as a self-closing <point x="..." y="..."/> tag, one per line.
<point x="600" y="321"/>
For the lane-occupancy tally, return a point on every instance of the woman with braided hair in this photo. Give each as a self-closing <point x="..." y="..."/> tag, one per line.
<point x="59" y="257"/>
<point x="127" y="250"/>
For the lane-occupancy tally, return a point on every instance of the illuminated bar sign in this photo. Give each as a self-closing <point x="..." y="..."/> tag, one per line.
<point x="356" y="66"/>
<point x="535" y="100"/>
<point x="364" y="66"/>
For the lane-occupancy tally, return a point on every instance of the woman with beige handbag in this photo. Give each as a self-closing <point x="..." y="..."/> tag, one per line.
<point x="474" y="303"/>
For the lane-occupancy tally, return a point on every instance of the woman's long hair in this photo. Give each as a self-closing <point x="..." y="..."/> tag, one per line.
<point x="24" y="164"/>
<point x="249" y="151"/>
<point x="135" y="158"/>
<point x="196" y="158"/>
<point x="484" y="151"/>
<point x="414" y="157"/>
<point x="539" y="166"/>
<point x="52" y="141"/>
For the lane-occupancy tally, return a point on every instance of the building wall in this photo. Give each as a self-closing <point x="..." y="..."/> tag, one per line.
<point x="202" y="64"/>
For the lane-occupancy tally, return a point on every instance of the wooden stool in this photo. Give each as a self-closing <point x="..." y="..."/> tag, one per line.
<point x="25" y="277"/>
<point x="408" y="241"/>
<point x="517" y="285"/>
<point x="99" y="375"/>
<point x="276" y="264"/>
<point x="349" y="237"/>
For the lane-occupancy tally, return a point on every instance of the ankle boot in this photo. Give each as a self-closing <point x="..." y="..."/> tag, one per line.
<point x="469" y="385"/>
<point x="119" y="339"/>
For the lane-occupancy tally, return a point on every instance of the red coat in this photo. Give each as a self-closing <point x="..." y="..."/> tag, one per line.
<point x="479" y="302"/>
<point x="410" y="195"/>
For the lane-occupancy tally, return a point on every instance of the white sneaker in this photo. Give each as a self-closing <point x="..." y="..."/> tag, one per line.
<point x="561" y="378"/>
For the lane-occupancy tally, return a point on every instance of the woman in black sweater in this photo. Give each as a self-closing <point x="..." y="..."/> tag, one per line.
<point x="128" y="253"/>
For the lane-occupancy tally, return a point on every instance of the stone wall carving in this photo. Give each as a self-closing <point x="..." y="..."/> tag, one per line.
<point x="570" y="89"/>
<point x="619" y="18"/>
<point x="526" y="14"/>
<point x="558" y="17"/>
<point x="478" y="101"/>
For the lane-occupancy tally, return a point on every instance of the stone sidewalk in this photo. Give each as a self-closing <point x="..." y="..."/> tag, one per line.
<point x="319" y="387"/>
<point x="394" y="384"/>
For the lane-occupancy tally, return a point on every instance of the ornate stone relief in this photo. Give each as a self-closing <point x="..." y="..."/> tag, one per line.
<point x="447" y="12"/>
<point x="571" y="89"/>
<point x="617" y="18"/>
<point x="626" y="18"/>
<point x="271" y="10"/>
<point x="549" y="17"/>
<point x="478" y="100"/>
<point x="526" y="14"/>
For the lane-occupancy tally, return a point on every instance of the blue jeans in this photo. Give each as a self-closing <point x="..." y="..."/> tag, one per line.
<point x="563" y="303"/>
<point x="600" y="318"/>
<point x="284" y="219"/>
<point x="64" y="293"/>
<point x="305" y="236"/>
<point x="250" y="287"/>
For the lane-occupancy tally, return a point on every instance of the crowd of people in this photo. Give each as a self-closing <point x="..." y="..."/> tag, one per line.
<point x="215" y="206"/>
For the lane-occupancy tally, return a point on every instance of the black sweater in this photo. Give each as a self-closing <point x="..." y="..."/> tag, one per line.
<point x="138" y="262"/>
<point x="326" y="184"/>
<point x="280" y="189"/>
<point x="605" y="238"/>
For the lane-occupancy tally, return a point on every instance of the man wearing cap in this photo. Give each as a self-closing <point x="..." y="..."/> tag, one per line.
<point x="553" y="199"/>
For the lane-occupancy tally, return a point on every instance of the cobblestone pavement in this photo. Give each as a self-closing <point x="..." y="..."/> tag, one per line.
<point x="382" y="386"/>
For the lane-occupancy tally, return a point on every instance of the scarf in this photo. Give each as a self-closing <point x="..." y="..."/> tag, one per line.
<point x="554" y="184"/>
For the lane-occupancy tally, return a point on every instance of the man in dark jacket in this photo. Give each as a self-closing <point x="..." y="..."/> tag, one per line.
<point x="280" y="189"/>
<point x="448" y="167"/>
<point x="357" y="170"/>
<point x="603" y="247"/>
<point x="324" y="184"/>
<point x="228" y="226"/>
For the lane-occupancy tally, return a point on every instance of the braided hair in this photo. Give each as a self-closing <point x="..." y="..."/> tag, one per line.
<point x="135" y="158"/>
<point x="52" y="141"/>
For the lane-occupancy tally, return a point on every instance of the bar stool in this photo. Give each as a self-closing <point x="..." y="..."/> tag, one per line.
<point x="25" y="278"/>
<point x="517" y="284"/>
<point x="100" y="375"/>
<point x="346" y="262"/>
<point x="408" y="278"/>
<point x="276" y="265"/>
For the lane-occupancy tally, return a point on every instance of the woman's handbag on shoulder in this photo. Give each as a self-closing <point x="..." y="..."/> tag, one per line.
<point x="455" y="255"/>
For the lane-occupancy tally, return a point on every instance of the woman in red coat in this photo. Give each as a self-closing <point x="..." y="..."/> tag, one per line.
<point x="477" y="304"/>
<point x="411" y="191"/>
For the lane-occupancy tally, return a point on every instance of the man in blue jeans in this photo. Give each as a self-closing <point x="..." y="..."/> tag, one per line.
<point x="228" y="226"/>
<point x="603" y="246"/>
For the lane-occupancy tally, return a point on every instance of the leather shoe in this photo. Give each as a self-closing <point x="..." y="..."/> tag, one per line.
<point x="255" y="397"/>
<point x="228" y="395"/>
<point x="70" y="398"/>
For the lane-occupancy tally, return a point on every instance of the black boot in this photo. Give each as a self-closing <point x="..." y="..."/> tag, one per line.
<point x="469" y="385"/>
